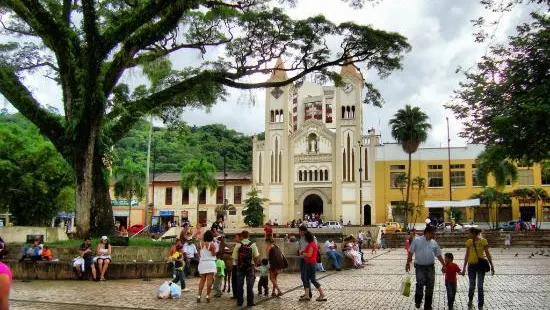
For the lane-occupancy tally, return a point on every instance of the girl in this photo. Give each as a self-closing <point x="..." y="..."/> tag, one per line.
<point x="310" y="257"/>
<point x="276" y="264"/>
<point x="476" y="248"/>
<point x="103" y="258"/>
<point x="207" y="264"/>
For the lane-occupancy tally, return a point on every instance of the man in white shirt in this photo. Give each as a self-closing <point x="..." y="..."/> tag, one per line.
<point x="360" y="239"/>
<point x="335" y="257"/>
<point x="191" y="257"/>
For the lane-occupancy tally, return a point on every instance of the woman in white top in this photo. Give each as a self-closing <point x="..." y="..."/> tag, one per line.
<point x="207" y="264"/>
<point x="103" y="257"/>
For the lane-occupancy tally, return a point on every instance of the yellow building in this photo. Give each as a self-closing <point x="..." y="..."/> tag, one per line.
<point x="457" y="184"/>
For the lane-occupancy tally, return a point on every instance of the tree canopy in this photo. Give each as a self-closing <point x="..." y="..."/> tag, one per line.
<point x="87" y="46"/>
<point x="504" y="103"/>
<point x="36" y="181"/>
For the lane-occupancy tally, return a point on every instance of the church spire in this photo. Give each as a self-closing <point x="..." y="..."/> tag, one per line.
<point x="279" y="73"/>
<point x="349" y="69"/>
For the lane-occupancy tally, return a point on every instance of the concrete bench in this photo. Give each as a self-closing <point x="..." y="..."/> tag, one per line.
<point x="63" y="270"/>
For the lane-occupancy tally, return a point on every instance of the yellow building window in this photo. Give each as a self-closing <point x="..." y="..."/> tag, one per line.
<point x="435" y="178"/>
<point x="458" y="175"/>
<point x="525" y="177"/>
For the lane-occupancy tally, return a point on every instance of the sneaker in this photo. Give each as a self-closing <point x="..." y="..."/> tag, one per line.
<point x="338" y="269"/>
<point x="185" y="290"/>
<point x="199" y="299"/>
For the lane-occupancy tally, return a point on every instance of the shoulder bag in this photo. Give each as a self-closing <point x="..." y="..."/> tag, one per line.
<point x="482" y="263"/>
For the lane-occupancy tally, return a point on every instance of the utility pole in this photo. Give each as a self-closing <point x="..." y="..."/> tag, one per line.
<point x="224" y="186"/>
<point x="360" y="185"/>
<point x="449" y="162"/>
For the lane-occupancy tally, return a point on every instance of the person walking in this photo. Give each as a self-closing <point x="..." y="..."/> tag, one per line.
<point x="207" y="264"/>
<point x="451" y="270"/>
<point x="425" y="249"/>
<point x="277" y="263"/>
<point x="5" y="285"/>
<point x="310" y="258"/>
<point x="477" y="249"/>
<point x="234" y="268"/>
<point x="246" y="254"/>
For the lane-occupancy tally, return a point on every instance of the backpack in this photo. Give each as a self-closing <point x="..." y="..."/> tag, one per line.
<point x="244" y="260"/>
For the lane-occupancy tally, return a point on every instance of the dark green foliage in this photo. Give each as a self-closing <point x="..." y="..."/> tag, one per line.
<point x="504" y="104"/>
<point x="173" y="147"/>
<point x="35" y="181"/>
<point x="254" y="209"/>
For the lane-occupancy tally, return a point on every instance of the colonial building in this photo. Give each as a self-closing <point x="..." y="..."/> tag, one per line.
<point x="315" y="158"/>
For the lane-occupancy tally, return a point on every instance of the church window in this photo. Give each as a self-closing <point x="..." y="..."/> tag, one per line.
<point x="272" y="118"/>
<point x="312" y="143"/>
<point x="272" y="166"/>
<point x="281" y="114"/>
<point x="305" y="175"/>
<point x="326" y="174"/>
<point x="276" y="160"/>
<point x="344" y="164"/>
<point x="300" y="175"/>
<point x="348" y="167"/>
<point x="328" y="113"/>
<point x="310" y="175"/>
<point x="260" y="168"/>
<point x="352" y="112"/>
<point x="366" y="169"/>
<point x="316" y="175"/>
<point x="280" y="165"/>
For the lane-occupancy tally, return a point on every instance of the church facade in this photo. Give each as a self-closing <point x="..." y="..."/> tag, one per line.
<point x="315" y="157"/>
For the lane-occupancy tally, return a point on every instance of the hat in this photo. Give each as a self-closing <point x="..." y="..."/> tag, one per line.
<point x="104" y="238"/>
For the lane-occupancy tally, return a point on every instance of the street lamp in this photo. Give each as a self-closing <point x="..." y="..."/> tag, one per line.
<point x="360" y="185"/>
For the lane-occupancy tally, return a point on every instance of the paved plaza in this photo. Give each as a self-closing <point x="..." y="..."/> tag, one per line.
<point x="520" y="282"/>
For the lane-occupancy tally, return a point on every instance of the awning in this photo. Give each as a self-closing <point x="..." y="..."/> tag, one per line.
<point x="453" y="204"/>
<point x="166" y="213"/>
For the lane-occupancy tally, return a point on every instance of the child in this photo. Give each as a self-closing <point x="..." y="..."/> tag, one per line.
<point x="220" y="274"/>
<point x="383" y="241"/>
<point x="263" y="277"/>
<point x="47" y="254"/>
<point x="179" y="267"/>
<point x="451" y="270"/>
<point x="507" y="241"/>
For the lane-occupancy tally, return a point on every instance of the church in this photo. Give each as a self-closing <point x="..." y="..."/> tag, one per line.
<point x="315" y="157"/>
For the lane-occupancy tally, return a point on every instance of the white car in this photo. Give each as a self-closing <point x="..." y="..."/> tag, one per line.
<point x="331" y="224"/>
<point x="311" y="224"/>
<point x="458" y="227"/>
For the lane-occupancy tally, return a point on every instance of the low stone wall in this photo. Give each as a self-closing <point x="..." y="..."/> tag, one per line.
<point x="28" y="270"/>
<point x="119" y="253"/>
<point x="18" y="234"/>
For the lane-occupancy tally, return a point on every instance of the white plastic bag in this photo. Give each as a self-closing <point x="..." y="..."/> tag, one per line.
<point x="175" y="291"/>
<point x="164" y="290"/>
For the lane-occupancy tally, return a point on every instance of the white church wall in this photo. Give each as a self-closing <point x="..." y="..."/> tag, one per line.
<point x="276" y="194"/>
<point x="275" y="212"/>
<point x="348" y="194"/>
<point x="348" y="213"/>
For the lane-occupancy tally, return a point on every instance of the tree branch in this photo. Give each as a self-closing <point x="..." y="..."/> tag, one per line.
<point x="21" y="98"/>
<point x="142" y="38"/>
<point x="132" y="20"/>
<point x="37" y="65"/>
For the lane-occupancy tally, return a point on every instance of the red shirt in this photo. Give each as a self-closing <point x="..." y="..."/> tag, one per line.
<point x="268" y="230"/>
<point x="313" y="258"/>
<point x="450" y="272"/>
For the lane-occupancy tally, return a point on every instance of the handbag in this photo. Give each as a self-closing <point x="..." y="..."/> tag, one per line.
<point x="406" y="286"/>
<point x="482" y="263"/>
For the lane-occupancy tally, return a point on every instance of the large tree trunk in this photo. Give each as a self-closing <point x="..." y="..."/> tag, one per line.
<point x="94" y="214"/>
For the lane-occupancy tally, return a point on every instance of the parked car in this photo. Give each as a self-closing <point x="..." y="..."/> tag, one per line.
<point x="510" y="226"/>
<point x="134" y="229"/>
<point x="457" y="227"/>
<point x="391" y="227"/>
<point x="331" y="224"/>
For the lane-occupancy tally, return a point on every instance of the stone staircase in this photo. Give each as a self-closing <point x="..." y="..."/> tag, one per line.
<point x="538" y="239"/>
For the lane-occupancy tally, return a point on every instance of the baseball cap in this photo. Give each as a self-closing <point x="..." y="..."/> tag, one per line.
<point x="104" y="238"/>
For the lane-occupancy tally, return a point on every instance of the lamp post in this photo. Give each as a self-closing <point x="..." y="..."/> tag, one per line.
<point x="224" y="187"/>
<point x="360" y="185"/>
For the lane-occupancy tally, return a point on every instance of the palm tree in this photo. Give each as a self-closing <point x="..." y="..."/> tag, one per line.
<point x="490" y="161"/>
<point x="487" y="197"/>
<point x="400" y="182"/>
<point x="420" y="184"/>
<point x="410" y="128"/>
<point x="201" y="175"/>
<point x="130" y="183"/>
<point x="501" y="199"/>
<point x="540" y="195"/>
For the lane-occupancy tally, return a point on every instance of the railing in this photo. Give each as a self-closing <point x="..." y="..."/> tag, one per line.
<point x="145" y="227"/>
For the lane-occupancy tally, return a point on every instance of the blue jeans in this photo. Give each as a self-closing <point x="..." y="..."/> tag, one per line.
<point x="180" y="276"/>
<point x="451" y="293"/>
<point x="425" y="276"/>
<point x="249" y="278"/>
<point x="335" y="257"/>
<point x="472" y="273"/>
<point x="310" y="277"/>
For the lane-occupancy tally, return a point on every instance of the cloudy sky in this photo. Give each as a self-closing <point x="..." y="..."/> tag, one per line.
<point x="439" y="31"/>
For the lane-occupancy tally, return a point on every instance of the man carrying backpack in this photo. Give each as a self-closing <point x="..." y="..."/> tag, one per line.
<point x="246" y="254"/>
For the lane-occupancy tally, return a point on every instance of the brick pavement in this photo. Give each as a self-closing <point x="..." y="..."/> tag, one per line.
<point x="519" y="283"/>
